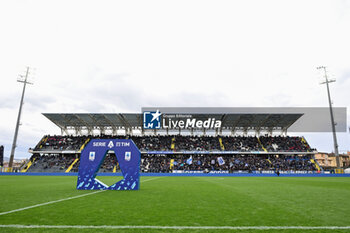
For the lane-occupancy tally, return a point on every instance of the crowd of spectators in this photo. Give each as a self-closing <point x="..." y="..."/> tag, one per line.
<point x="295" y="163"/>
<point x="161" y="163"/>
<point x="155" y="163"/>
<point x="196" y="143"/>
<point x="231" y="163"/>
<point x="153" y="143"/>
<point x="52" y="162"/>
<point x="109" y="163"/>
<point x="279" y="143"/>
<point x="240" y="143"/>
<point x="61" y="162"/>
<point x="186" y="143"/>
<point x="61" y="143"/>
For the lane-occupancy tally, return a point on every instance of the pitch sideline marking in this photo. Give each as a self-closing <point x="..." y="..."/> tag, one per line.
<point x="60" y="200"/>
<point x="182" y="227"/>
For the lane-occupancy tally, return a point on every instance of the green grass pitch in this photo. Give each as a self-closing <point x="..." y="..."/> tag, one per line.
<point x="178" y="201"/>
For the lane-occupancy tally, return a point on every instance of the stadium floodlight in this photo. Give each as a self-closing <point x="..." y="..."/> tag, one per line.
<point x="327" y="81"/>
<point x="22" y="79"/>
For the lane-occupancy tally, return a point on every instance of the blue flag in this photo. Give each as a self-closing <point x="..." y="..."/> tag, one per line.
<point x="189" y="160"/>
<point x="221" y="161"/>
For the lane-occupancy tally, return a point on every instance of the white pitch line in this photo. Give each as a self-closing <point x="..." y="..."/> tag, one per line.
<point x="60" y="200"/>
<point x="151" y="179"/>
<point x="50" y="202"/>
<point x="182" y="227"/>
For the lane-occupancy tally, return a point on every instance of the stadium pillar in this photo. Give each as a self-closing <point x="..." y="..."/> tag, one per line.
<point x="25" y="82"/>
<point x="1" y="156"/>
<point x="90" y="131"/>
<point x="336" y="152"/>
<point x="257" y="132"/>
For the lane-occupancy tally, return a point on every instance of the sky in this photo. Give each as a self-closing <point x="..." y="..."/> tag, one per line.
<point x="118" y="56"/>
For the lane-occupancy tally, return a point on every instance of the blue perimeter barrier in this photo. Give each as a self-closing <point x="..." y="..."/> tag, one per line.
<point x="177" y="174"/>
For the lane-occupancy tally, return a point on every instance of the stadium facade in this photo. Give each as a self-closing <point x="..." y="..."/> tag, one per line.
<point x="174" y="140"/>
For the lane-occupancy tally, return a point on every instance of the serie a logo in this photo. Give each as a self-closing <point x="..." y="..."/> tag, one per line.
<point x="127" y="156"/>
<point x="92" y="156"/>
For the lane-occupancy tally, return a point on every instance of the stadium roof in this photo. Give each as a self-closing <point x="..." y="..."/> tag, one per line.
<point x="244" y="121"/>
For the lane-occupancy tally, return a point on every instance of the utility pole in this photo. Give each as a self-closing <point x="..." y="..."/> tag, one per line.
<point x="22" y="79"/>
<point x="336" y="152"/>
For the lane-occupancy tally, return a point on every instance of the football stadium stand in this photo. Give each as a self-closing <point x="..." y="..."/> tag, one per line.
<point x="179" y="153"/>
<point x="57" y="153"/>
